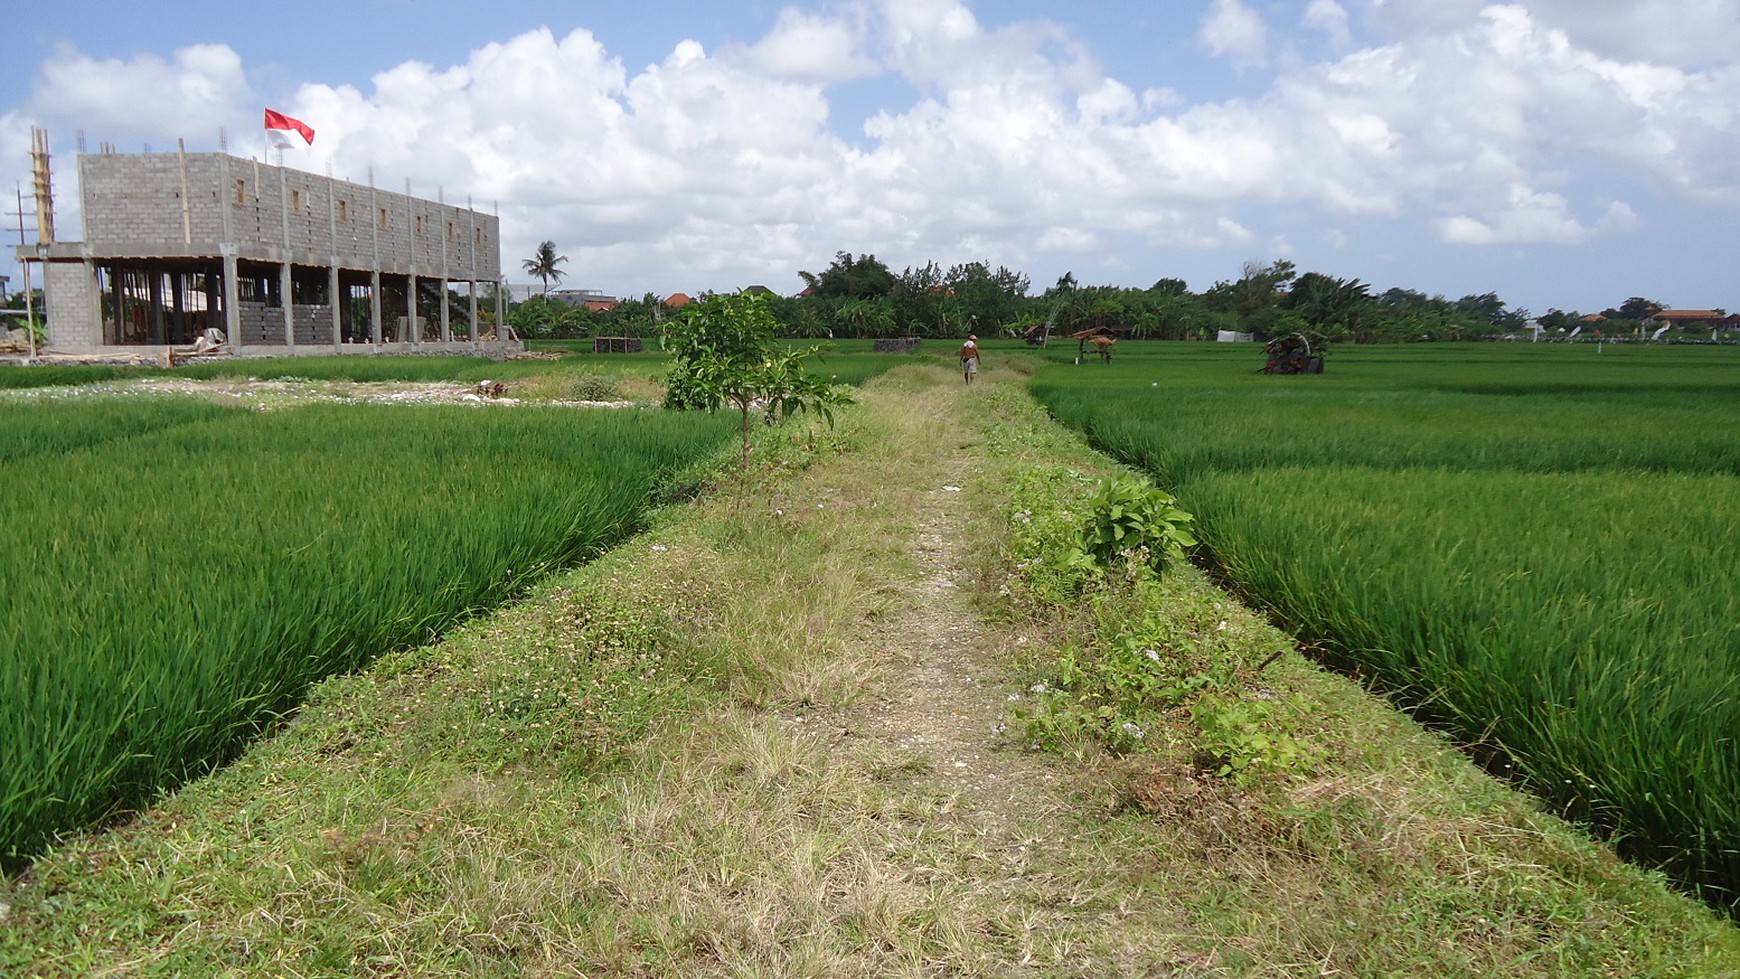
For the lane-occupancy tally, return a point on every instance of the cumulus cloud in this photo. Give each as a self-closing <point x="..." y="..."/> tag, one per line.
<point x="806" y="47"/>
<point x="1232" y="30"/>
<point x="1331" y="18"/>
<point x="1531" y="217"/>
<point x="196" y="90"/>
<point x="716" y="167"/>
<point x="1681" y="33"/>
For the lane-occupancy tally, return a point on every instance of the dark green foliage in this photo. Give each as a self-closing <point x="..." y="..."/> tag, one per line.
<point x="1129" y="520"/>
<point x="851" y="278"/>
<point x="543" y="318"/>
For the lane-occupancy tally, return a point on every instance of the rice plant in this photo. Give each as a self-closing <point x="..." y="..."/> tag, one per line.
<point x="170" y="593"/>
<point x="35" y="429"/>
<point x="1530" y="543"/>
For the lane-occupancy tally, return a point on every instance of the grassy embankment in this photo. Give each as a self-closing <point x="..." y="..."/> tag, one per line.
<point x="664" y="763"/>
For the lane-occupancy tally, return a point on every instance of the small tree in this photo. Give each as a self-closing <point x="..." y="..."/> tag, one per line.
<point x="722" y="354"/>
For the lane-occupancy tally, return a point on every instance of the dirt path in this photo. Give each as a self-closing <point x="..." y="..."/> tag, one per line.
<point x="944" y="689"/>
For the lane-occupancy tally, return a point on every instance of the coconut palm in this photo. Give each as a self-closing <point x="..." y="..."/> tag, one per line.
<point x="542" y="264"/>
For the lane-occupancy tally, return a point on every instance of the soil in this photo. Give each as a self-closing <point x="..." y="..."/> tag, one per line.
<point x="284" y="392"/>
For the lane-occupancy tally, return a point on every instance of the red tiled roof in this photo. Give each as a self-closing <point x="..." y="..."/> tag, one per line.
<point x="1694" y="315"/>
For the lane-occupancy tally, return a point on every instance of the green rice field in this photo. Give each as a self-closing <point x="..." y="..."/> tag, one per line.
<point x="1532" y="544"/>
<point x="175" y="573"/>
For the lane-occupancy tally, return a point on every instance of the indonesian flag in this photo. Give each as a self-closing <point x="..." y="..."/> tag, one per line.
<point x="287" y="133"/>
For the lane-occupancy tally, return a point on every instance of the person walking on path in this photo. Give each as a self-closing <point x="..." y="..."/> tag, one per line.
<point x="970" y="357"/>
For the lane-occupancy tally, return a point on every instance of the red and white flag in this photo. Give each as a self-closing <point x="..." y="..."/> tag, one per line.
<point x="287" y="133"/>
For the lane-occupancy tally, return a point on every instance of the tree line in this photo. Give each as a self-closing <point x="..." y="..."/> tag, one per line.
<point x="859" y="296"/>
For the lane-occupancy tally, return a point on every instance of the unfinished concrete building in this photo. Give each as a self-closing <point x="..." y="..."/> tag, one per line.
<point x="278" y="261"/>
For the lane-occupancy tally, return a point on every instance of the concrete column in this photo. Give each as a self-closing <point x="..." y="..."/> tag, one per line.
<point x="471" y="249"/>
<point x="232" y="308"/>
<point x="286" y="296"/>
<point x="375" y="266"/>
<point x="93" y="303"/>
<point x="287" y="300"/>
<point x="375" y="305"/>
<point x="159" y="331"/>
<point x="232" y="300"/>
<point x="474" y="315"/>
<point x="446" y="322"/>
<point x="411" y="264"/>
<point x="332" y="298"/>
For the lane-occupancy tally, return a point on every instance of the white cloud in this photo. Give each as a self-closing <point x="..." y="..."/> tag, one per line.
<point x="1331" y="18"/>
<point x="1679" y="33"/>
<point x="805" y="47"/>
<point x="1073" y="241"/>
<point x="1232" y="30"/>
<point x="194" y="93"/>
<point x="709" y="168"/>
<point x="1532" y="217"/>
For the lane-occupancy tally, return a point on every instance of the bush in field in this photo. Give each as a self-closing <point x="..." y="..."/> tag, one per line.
<point x="1154" y="649"/>
<point x="722" y="353"/>
<point x="1128" y="519"/>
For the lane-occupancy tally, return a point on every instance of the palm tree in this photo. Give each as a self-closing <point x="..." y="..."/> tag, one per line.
<point x="542" y="264"/>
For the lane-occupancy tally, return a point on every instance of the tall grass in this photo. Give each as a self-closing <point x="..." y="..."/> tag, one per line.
<point x="62" y="375"/>
<point x="1534" y="545"/>
<point x="33" y="429"/>
<point x="170" y="593"/>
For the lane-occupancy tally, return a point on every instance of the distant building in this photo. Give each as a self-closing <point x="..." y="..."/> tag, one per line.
<point x="677" y="300"/>
<point x="590" y="299"/>
<point x="1684" y="317"/>
<point x="179" y="247"/>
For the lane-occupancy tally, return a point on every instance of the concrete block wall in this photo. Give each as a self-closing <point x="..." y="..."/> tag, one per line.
<point x="69" y="292"/>
<point x="136" y="198"/>
<point x="133" y="206"/>
<point x="263" y="325"/>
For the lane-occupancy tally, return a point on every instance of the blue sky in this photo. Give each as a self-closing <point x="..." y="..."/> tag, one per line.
<point x="1562" y="153"/>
